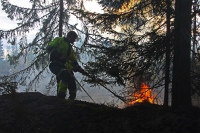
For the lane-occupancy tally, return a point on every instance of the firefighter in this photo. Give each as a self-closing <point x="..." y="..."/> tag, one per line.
<point x="63" y="63"/>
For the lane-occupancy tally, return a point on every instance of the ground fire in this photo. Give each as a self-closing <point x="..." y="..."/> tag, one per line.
<point x="143" y="95"/>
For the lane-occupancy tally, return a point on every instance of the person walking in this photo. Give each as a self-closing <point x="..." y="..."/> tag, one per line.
<point x="63" y="63"/>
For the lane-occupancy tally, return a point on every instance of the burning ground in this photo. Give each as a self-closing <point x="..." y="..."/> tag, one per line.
<point x="37" y="113"/>
<point x="142" y="95"/>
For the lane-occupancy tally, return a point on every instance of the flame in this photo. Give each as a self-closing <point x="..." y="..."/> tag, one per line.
<point x="143" y="95"/>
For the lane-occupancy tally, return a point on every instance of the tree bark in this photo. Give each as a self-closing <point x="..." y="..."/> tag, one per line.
<point x="181" y="83"/>
<point x="61" y="18"/>
<point x="166" y="99"/>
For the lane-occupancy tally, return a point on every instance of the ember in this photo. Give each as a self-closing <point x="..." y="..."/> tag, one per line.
<point x="144" y="95"/>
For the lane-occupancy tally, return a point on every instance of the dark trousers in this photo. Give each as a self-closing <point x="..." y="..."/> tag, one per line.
<point x="66" y="76"/>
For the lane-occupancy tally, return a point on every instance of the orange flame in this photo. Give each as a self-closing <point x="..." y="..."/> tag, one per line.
<point x="143" y="95"/>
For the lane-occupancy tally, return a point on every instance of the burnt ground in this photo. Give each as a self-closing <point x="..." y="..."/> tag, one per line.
<point x="36" y="113"/>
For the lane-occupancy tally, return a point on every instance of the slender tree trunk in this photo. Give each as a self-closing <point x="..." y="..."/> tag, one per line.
<point x="181" y="83"/>
<point x="166" y="99"/>
<point x="194" y="34"/>
<point x="61" y="19"/>
<point x="60" y="23"/>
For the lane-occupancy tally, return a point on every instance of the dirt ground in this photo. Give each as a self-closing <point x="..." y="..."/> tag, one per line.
<point x="36" y="113"/>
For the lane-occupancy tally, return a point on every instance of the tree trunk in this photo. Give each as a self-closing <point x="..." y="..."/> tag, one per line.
<point x="61" y="18"/>
<point x="166" y="99"/>
<point x="194" y="34"/>
<point x="181" y="83"/>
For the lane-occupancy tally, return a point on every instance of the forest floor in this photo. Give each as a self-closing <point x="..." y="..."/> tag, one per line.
<point x="36" y="113"/>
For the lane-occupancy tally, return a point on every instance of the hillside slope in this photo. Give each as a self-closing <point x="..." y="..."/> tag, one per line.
<point x="36" y="113"/>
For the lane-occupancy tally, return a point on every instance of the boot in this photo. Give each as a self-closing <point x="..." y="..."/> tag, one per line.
<point x="72" y="96"/>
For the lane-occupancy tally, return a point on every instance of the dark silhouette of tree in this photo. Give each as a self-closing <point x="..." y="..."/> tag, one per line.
<point x="167" y="69"/>
<point x="195" y="71"/>
<point x="181" y="87"/>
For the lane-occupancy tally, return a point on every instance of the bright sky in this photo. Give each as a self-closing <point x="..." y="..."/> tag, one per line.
<point x="6" y="23"/>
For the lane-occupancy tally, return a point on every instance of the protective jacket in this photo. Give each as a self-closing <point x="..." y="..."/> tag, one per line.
<point x="61" y="47"/>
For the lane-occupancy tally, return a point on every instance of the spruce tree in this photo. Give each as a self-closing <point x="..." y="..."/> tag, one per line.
<point x="137" y="41"/>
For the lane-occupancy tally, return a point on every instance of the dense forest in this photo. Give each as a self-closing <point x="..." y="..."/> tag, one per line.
<point x="131" y="44"/>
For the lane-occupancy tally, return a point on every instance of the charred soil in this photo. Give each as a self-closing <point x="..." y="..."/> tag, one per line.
<point x="34" y="112"/>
